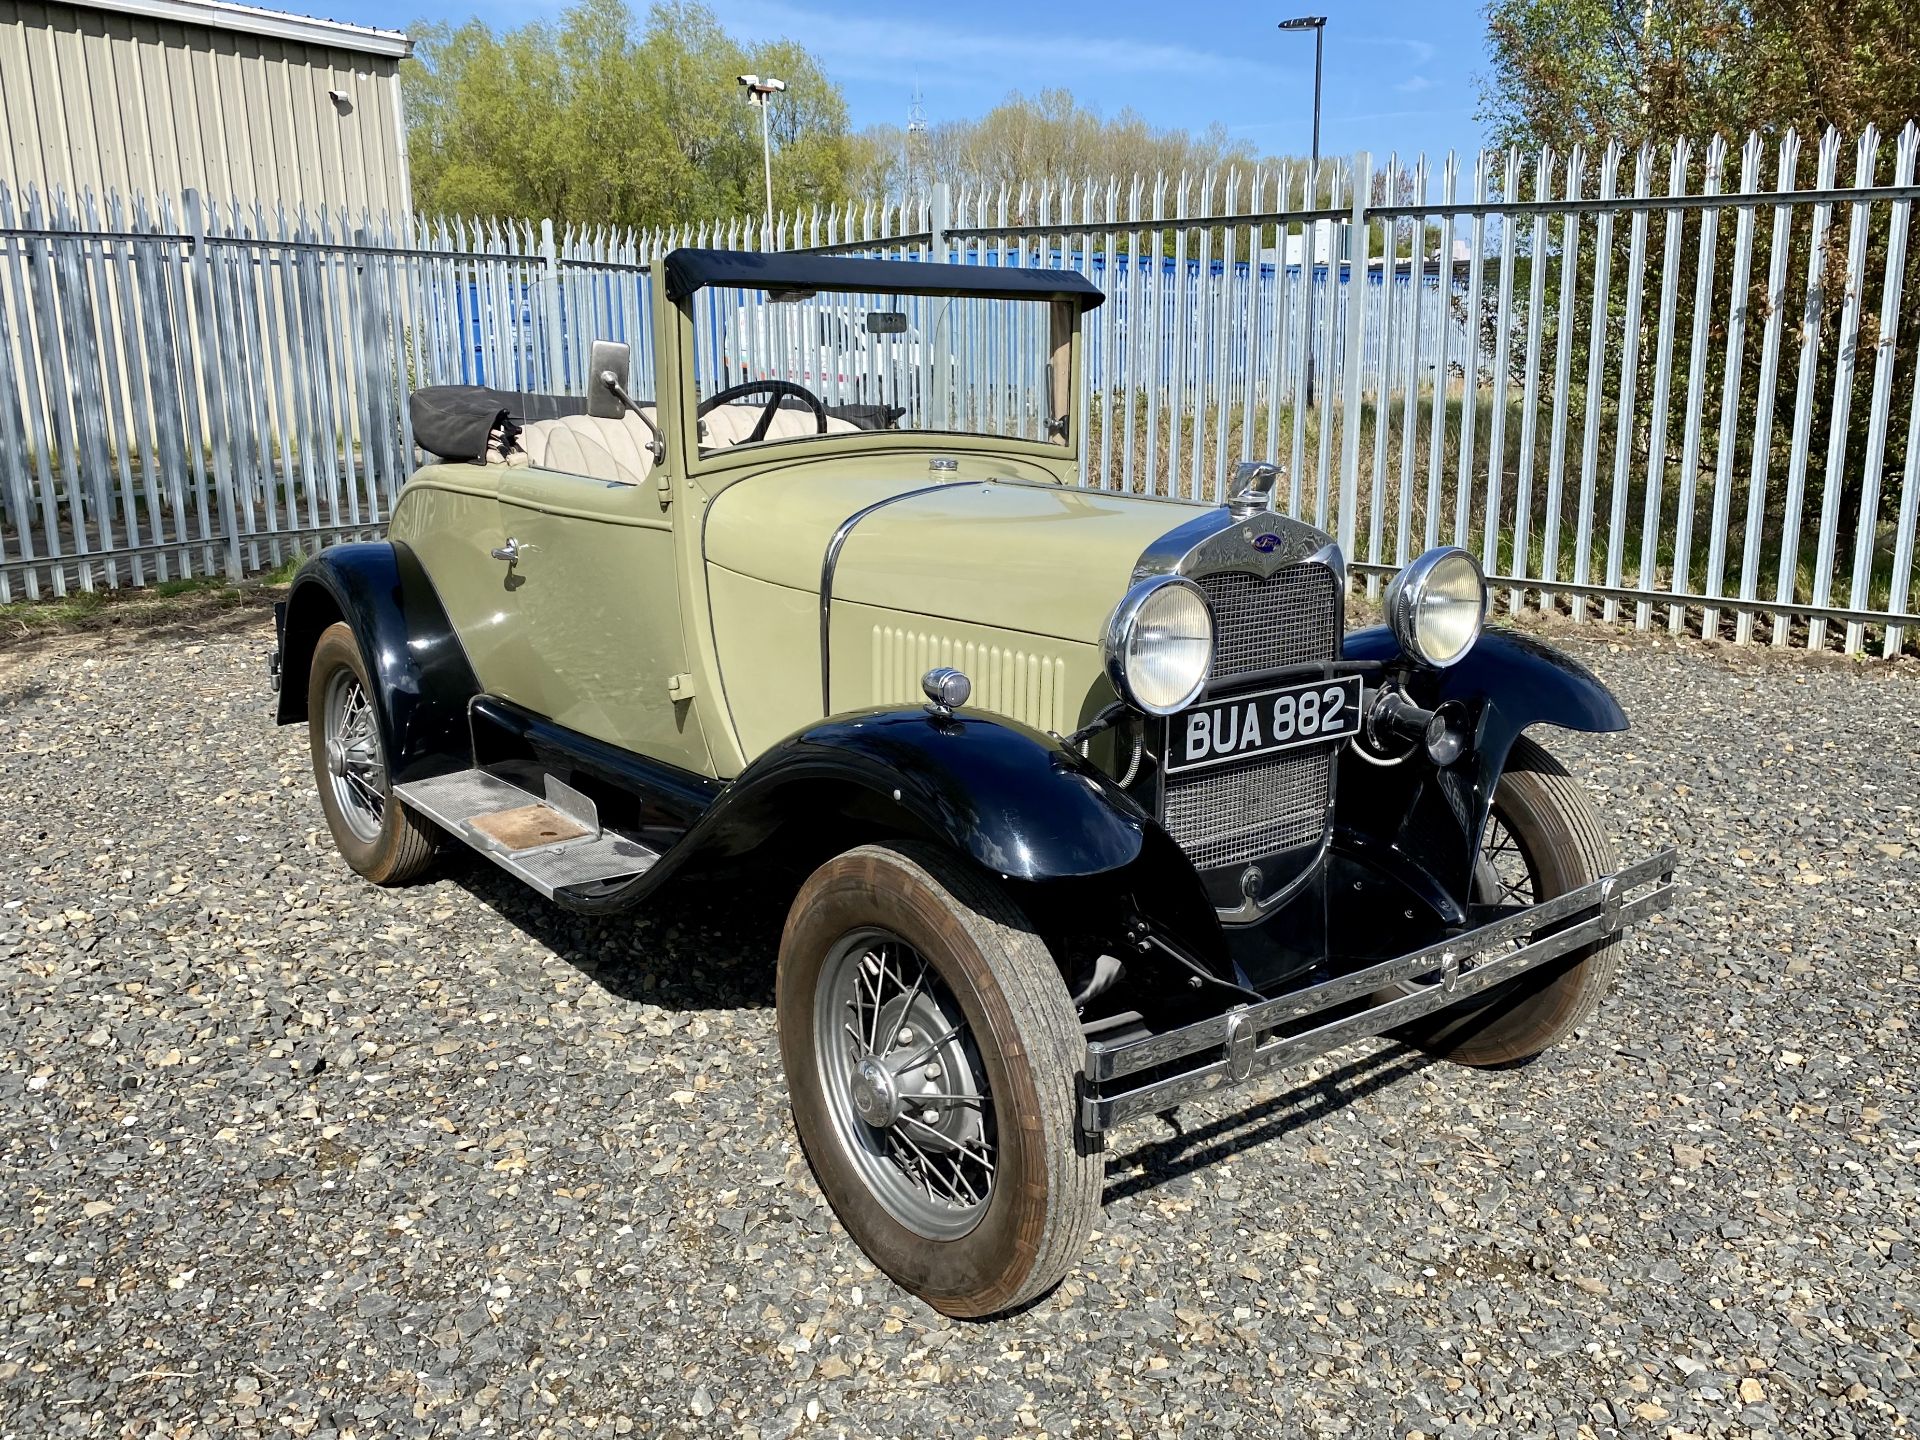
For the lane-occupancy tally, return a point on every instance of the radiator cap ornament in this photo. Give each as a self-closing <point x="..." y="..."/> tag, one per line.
<point x="1252" y="488"/>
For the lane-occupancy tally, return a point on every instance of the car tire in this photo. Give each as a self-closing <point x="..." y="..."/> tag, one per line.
<point x="1562" y="847"/>
<point x="982" y="968"/>
<point x="374" y="833"/>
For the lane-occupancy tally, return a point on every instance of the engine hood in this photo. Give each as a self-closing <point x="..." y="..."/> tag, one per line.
<point x="1016" y="555"/>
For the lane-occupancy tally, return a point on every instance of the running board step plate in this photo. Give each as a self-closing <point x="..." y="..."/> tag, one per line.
<point x="505" y="823"/>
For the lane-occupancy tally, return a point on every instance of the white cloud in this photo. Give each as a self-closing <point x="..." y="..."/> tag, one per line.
<point x="1414" y="84"/>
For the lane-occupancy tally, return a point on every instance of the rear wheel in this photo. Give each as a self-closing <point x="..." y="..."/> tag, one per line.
<point x="1542" y="840"/>
<point x="931" y="1054"/>
<point x="373" y="831"/>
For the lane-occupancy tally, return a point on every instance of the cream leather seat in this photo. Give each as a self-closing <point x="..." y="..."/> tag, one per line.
<point x="616" y="450"/>
<point x="730" y="424"/>
<point x="611" y="450"/>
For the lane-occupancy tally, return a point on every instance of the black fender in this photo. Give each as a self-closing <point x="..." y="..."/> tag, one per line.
<point x="1075" y="847"/>
<point x="1423" y="823"/>
<point x="422" y="678"/>
<point x="1011" y="798"/>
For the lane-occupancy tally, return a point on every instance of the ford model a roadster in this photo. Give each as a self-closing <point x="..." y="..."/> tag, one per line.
<point x="1091" y="805"/>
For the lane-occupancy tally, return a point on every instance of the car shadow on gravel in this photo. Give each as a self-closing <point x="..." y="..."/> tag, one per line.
<point x="709" y="943"/>
<point x="699" y="943"/>
<point x="1173" y="1157"/>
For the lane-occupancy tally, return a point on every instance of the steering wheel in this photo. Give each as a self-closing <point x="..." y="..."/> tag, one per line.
<point x="775" y="391"/>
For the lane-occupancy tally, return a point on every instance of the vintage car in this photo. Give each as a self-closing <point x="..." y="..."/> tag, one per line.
<point x="1084" y="802"/>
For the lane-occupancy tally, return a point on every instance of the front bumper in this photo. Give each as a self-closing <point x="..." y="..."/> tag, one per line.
<point x="1248" y="1039"/>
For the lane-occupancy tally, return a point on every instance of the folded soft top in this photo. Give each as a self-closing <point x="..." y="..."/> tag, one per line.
<point x="456" y="422"/>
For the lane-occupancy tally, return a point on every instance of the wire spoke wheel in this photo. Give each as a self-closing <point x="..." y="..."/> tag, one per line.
<point x="1542" y="839"/>
<point x="373" y="831"/>
<point x="932" y="1057"/>
<point x="355" y="764"/>
<point x="1505" y="875"/>
<point x="904" y="1086"/>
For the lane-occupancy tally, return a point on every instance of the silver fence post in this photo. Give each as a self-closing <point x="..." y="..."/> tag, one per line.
<point x="939" y="221"/>
<point x="556" y="344"/>
<point x="1356" y="290"/>
<point x="200" y="263"/>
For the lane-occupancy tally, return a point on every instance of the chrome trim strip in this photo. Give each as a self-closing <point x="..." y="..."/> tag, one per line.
<point x="831" y="560"/>
<point x="1216" y="540"/>
<point x="1252" y="909"/>
<point x="1459" y="980"/>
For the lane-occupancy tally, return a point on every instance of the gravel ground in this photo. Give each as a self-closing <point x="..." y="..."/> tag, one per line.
<point x="281" y="1153"/>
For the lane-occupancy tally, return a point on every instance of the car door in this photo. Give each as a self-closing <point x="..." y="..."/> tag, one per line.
<point x="594" y="597"/>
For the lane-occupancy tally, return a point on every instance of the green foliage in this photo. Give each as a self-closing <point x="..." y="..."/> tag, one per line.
<point x="1027" y="138"/>
<point x="1588" y="71"/>
<point x="593" y="120"/>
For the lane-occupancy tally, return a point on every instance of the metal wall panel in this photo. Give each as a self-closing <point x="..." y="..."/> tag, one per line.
<point x="99" y="100"/>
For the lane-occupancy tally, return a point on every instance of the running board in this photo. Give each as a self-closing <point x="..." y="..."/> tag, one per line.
<point x="555" y="843"/>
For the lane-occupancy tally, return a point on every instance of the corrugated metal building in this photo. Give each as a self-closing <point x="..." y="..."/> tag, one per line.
<point x="155" y="96"/>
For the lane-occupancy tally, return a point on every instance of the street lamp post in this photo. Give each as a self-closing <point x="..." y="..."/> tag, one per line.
<point x="1318" y="25"/>
<point x="759" y="91"/>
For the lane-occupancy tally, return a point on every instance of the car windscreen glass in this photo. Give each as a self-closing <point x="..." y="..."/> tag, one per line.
<point x="976" y="365"/>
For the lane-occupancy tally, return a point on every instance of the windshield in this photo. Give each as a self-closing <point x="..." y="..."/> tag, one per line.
<point x="768" y="371"/>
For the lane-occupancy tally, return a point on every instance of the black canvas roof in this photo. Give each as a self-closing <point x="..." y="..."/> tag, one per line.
<point x="788" y="271"/>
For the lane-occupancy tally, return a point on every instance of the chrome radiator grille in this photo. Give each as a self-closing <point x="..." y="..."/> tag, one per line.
<point x="1228" y="817"/>
<point x="1243" y="812"/>
<point x="1285" y="619"/>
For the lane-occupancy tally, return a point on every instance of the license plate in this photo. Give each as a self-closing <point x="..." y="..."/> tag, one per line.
<point x="1219" y="732"/>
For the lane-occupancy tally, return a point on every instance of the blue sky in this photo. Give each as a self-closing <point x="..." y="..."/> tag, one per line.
<point x="1400" y="75"/>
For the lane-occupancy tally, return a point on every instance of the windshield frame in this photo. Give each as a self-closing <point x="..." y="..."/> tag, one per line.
<point x="677" y="334"/>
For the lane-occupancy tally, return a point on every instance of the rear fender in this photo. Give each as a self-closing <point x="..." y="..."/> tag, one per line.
<point x="1423" y="823"/>
<point x="421" y="675"/>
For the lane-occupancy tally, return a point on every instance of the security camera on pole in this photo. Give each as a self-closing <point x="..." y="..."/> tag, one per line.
<point x="759" y="90"/>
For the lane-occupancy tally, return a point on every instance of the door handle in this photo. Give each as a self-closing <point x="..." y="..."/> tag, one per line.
<point x="509" y="552"/>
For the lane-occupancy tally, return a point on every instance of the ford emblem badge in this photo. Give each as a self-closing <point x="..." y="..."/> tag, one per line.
<point x="1266" y="542"/>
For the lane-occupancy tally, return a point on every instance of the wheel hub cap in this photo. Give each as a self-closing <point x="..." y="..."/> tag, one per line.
<point x="876" y="1097"/>
<point x="337" y="755"/>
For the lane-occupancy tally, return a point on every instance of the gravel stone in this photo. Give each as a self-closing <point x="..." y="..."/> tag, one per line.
<point x="282" y="1154"/>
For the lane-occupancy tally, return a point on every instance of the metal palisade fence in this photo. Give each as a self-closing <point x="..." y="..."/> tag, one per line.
<point x="1675" y="387"/>
<point x="191" y="389"/>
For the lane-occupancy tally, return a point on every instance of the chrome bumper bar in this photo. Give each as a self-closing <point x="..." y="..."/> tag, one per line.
<point x="1241" y="1042"/>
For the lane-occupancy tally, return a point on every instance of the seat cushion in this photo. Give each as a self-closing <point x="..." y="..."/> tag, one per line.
<point x="611" y="450"/>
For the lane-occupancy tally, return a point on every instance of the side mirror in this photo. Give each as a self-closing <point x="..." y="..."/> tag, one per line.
<point x="886" y="322"/>
<point x="603" y="400"/>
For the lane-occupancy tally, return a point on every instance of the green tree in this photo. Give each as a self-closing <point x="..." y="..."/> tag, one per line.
<point x="1586" y="72"/>
<point x="594" y="120"/>
<point x="1589" y="71"/>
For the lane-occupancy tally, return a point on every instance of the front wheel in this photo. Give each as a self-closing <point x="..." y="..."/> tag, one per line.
<point x="1542" y="840"/>
<point x="931" y="1053"/>
<point x="372" y="830"/>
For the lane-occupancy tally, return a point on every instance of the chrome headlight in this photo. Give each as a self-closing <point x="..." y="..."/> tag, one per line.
<point x="1160" y="644"/>
<point x="1437" y="605"/>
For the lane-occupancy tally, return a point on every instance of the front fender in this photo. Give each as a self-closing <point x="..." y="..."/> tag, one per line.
<point x="421" y="675"/>
<point x="1012" y="798"/>
<point x="1425" y="822"/>
<point x="1513" y="679"/>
